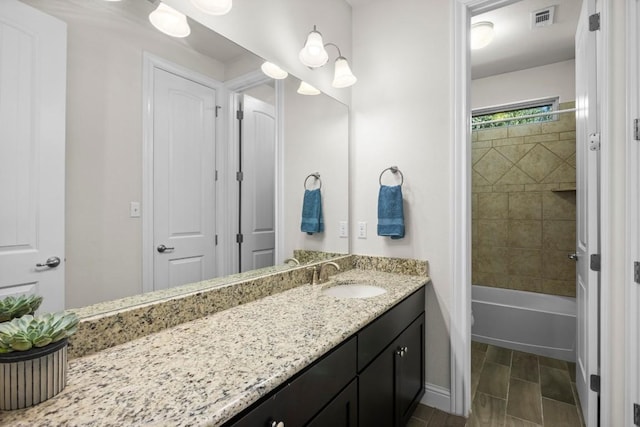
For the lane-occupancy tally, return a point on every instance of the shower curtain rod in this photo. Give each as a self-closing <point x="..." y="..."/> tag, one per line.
<point x="528" y="116"/>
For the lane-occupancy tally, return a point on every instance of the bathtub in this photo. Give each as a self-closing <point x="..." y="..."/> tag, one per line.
<point x="526" y="321"/>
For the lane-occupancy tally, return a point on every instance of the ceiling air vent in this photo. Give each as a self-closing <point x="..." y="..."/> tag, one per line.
<point x="542" y="17"/>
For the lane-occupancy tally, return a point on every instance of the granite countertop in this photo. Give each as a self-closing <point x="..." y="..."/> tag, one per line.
<point x="204" y="372"/>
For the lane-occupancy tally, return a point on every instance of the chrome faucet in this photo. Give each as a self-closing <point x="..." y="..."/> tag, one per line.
<point x="322" y="275"/>
<point x="292" y="259"/>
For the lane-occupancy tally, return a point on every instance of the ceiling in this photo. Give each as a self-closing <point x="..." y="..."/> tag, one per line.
<point x="516" y="46"/>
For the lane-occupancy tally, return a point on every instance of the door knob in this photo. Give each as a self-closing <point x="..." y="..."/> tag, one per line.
<point x="163" y="248"/>
<point x="51" y="262"/>
<point x="573" y="256"/>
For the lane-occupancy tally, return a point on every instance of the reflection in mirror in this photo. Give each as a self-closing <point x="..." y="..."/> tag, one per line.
<point x="154" y="150"/>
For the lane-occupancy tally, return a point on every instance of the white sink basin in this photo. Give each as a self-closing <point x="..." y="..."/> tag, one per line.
<point x="354" y="290"/>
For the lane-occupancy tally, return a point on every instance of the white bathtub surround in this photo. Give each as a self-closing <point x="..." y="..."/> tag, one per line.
<point x="526" y="321"/>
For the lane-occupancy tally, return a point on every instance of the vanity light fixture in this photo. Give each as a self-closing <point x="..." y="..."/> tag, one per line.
<point x="314" y="55"/>
<point x="170" y="21"/>
<point x="481" y="34"/>
<point x="306" y="89"/>
<point x="213" y="7"/>
<point x="273" y="71"/>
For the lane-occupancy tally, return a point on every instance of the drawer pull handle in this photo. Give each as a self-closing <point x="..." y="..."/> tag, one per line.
<point x="401" y="351"/>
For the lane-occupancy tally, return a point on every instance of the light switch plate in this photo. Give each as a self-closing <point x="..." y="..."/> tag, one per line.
<point x="134" y="209"/>
<point x="362" y="230"/>
<point x="343" y="229"/>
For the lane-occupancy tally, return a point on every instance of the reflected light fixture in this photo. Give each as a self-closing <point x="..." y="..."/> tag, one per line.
<point x="313" y="54"/>
<point x="273" y="71"/>
<point x="213" y="7"/>
<point x="170" y="21"/>
<point x="481" y="34"/>
<point x="306" y="89"/>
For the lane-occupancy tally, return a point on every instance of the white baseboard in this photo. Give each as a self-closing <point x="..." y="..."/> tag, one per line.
<point x="437" y="397"/>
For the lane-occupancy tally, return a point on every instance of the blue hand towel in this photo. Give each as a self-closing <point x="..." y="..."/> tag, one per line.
<point x="312" y="221"/>
<point x="390" y="212"/>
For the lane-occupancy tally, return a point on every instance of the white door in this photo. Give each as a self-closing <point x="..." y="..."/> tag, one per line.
<point x="33" y="52"/>
<point x="257" y="198"/>
<point x="183" y="180"/>
<point x="587" y="202"/>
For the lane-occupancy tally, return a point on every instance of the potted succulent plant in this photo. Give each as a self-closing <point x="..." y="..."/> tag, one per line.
<point x="33" y="352"/>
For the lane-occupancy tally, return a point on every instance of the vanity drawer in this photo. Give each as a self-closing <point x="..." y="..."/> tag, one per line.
<point x="303" y="397"/>
<point x="379" y="334"/>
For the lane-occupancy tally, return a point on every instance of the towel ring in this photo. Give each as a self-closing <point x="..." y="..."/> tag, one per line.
<point x="315" y="175"/>
<point x="393" y="169"/>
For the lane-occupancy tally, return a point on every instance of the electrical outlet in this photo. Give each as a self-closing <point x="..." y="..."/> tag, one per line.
<point x="343" y="230"/>
<point x="134" y="209"/>
<point x="362" y="230"/>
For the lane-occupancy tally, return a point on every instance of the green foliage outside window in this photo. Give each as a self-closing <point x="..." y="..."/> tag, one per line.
<point x="478" y="122"/>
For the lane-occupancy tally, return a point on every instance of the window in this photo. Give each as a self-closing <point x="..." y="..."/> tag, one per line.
<point x="514" y="114"/>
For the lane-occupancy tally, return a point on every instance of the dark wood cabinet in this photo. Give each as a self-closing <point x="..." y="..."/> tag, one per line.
<point x="374" y="379"/>
<point x="342" y="411"/>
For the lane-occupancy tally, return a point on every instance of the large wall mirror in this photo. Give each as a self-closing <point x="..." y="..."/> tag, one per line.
<point x="166" y="184"/>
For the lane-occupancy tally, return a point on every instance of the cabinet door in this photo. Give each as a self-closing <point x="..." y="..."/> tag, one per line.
<point x="409" y="370"/>
<point x="375" y="391"/>
<point x="342" y="411"/>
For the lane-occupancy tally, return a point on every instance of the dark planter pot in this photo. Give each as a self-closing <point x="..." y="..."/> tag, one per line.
<point x="33" y="376"/>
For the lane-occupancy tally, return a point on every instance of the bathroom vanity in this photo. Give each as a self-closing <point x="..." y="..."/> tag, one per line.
<point x="298" y="357"/>
<point x="378" y="373"/>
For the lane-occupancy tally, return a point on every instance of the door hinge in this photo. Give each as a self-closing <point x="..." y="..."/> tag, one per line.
<point x="239" y="238"/>
<point x="216" y="177"/>
<point x="636" y="414"/>
<point x="216" y="240"/>
<point x="594" y="142"/>
<point x="239" y="176"/>
<point x="239" y="114"/>
<point x="636" y="272"/>
<point x="594" y="22"/>
<point x="217" y="109"/>
<point x="636" y="129"/>
<point x="595" y="262"/>
<point x="594" y="383"/>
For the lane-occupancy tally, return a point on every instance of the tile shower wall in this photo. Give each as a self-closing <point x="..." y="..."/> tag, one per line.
<point x="524" y="206"/>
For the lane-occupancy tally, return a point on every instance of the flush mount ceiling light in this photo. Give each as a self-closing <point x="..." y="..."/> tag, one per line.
<point x="313" y="54"/>
<point x="213" y="7"/>
<point x="273" y="71"/>
<point x="170" y="21"/>
<point x="306" y="89"/>
<point x="481" y="34"/>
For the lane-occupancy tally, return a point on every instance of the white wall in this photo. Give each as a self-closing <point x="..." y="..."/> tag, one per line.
<point x="104" y="147"/>
<point x="316" y="139"/>
<point x="400" y="116"/>
<point x="539" y="82"/>
<point x="277" y="29"/>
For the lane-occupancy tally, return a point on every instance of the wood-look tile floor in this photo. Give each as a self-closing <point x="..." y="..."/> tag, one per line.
<point x="513" y="389"/>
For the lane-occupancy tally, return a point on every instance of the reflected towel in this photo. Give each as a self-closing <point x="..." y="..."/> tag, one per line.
<point x="312" y="221"/>
<point x="390" y="212"/>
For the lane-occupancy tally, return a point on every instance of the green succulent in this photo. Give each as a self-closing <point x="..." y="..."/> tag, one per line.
<point x="26" y="332"/>
<point x="12" y="307"/>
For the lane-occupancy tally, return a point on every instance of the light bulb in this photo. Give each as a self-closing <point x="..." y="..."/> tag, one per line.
<point x="313" y="54"/>
<point x="306" y="89"/>
<point x="273" y="71"/>
<point x="213" y="7"/>
<point x="170" y="21"/>
<point x="343" y="77"/>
